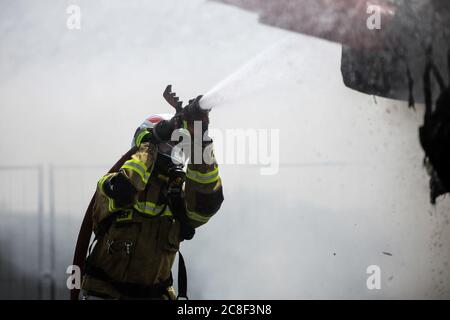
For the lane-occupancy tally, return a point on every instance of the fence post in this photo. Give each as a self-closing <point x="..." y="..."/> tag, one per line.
<point x="40" y="188"/>
<point x="51" y="189"/>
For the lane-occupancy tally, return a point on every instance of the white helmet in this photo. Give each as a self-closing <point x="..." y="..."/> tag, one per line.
<point x="151" y="121"/>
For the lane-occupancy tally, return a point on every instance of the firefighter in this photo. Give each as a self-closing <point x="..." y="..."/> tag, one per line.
<point x="142" y="213"/>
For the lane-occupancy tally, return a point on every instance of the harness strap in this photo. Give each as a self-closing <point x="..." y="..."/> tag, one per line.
<point x="182" y="278"/>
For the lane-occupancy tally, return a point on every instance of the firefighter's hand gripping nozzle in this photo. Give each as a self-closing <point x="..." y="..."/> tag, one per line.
<point x="184" y="117"/>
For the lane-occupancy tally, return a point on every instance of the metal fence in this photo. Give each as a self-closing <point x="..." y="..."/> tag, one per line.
<point x="21" y="232"/>
<point x="41" y="210"/>
<point x="70" y="190"/>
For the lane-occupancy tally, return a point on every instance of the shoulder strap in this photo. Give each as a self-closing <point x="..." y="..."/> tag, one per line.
<point x="79" y="257"/>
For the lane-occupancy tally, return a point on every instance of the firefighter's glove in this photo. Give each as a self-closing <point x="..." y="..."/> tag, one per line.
<point x="193" y="113"/>
<point x="162" y="131"/>
<point x="186" y="232"/>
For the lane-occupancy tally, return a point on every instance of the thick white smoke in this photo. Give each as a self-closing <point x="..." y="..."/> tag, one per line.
<point x="350" y="186"/>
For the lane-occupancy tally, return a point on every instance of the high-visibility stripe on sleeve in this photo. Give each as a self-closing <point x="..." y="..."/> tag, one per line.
<point x="141" y="136"/>
<point x="139" y="167"/>
<point x="111" y="204"/>
<point x="102" y="181"/>
<point x="197" y="217"/>
<point x="199" y="177"/>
